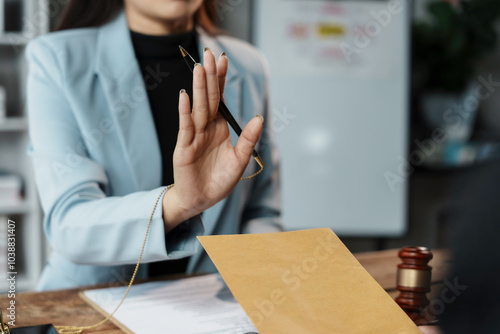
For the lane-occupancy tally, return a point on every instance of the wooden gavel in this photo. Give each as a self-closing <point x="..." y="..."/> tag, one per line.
<point x="414" y="282"/>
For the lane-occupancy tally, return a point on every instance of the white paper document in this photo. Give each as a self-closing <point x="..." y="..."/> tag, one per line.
<point x="197" y="305"/>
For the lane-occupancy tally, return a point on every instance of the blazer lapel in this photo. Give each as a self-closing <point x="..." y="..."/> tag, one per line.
<point x="121" y="78"/>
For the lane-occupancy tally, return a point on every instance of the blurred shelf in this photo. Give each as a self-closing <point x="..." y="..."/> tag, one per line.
<point x="13" y="124"/>
<point x="459" y="155"/>
<point x="23" y="284"/>
<point x="21" y="208"/>
<point x="14" y="137"/>
<point x="14" y="39"/>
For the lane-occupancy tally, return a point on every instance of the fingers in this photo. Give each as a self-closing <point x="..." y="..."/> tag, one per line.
<point x="212" y="83"/>
<point x="208" y="86"/>
<point x="248" y="139"/>
<point x="200" y="99"/>
<point x="221" y="72"/>
<point x="186" y="126"/>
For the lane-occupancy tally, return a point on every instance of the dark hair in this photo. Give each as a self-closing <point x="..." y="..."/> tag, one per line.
<point x="94" y="13"/>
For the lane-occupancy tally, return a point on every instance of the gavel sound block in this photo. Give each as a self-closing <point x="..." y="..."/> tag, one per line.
<point x="413" y="282"/>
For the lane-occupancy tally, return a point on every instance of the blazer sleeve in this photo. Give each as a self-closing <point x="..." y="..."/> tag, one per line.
<point x="262" y="213"/>
<point x="80" y="221"/>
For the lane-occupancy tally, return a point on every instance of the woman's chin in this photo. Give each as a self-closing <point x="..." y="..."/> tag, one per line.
<point x="175" y="10"/>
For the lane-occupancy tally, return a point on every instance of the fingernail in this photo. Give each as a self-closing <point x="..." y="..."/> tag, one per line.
<point x="261" y="118"/>
<point x="197" y="64"/>
<point x="206" y="49"/>
<point x="182" y="92"/>
<point x="223" y="54"/>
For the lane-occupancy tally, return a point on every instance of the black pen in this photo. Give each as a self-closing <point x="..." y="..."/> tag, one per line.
<point x="222" y="106"/>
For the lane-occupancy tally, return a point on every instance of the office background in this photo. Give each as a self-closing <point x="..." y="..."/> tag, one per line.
<point x="427" y="202"/>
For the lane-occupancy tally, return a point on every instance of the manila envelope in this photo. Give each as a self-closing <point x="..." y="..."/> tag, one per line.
<point x="304" y="282"/>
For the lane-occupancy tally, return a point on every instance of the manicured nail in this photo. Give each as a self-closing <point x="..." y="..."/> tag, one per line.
<point x="182" y="92"/>
<point x="261" y="118"/>
<point x="206" y="49"/>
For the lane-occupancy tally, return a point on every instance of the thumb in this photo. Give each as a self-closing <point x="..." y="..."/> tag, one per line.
<point x="248" y="138"/>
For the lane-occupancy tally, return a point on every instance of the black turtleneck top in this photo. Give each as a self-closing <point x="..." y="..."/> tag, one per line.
<point x="165" y="74"/>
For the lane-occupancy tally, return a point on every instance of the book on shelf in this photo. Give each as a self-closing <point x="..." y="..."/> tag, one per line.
<point x="12" y="16"/>
<point x="3" y="103"/>
<point x="2" y="15"/>
<point x="11" y="189"/>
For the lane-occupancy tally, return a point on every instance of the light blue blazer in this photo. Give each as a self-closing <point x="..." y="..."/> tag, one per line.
<point x="97" y="159"/>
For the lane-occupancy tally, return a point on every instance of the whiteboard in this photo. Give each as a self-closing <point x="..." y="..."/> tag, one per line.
<point x="339" y="96"/>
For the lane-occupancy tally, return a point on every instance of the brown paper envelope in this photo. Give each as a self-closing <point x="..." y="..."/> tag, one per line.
<point x="304" y="282"/>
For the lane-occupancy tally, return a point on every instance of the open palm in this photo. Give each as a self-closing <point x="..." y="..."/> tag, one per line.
<point x="206" y="165"/>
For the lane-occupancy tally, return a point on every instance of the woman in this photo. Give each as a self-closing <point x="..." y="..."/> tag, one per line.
<point x="110" y="130"/>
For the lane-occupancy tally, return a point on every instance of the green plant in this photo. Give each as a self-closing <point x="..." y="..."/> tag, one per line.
<point x="447" y="46"/>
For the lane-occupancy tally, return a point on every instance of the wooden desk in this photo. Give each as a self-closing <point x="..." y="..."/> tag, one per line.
<point x="64" y="307"/>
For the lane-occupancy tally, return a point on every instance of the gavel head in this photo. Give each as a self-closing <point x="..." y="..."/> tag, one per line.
<point x="414" y="281"/>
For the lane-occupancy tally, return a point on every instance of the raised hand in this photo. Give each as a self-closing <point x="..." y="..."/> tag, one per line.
<point x="206" y="165"/>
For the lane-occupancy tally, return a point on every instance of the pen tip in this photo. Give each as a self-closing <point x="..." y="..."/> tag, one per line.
<point x="183" y="51"/>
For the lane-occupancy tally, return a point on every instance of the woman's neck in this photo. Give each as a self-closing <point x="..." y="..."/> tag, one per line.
<point x="149" y="26"/>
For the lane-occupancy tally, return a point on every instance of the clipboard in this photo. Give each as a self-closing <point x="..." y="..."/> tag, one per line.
<point x="199" y="304"/>
<point x="99" y="309"/>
